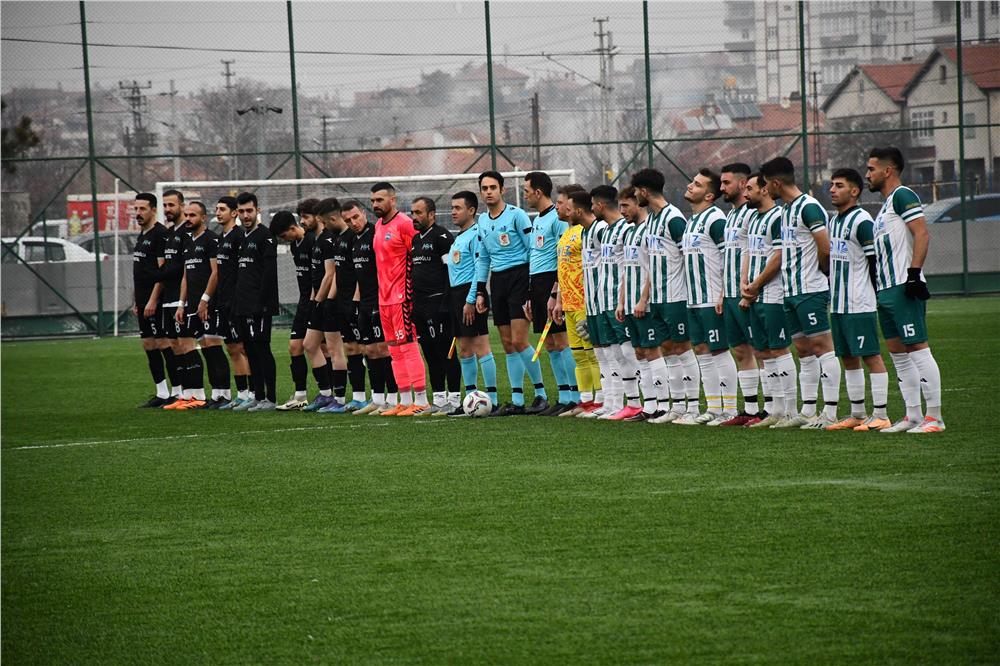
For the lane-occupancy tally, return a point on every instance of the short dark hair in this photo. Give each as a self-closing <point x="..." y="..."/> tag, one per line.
<point x="737" y="167"/>
<point x="627" y="193"/>
<point x="470" y="198"/>
<point x="247" y="197"/>
<point x="851" y="176"/>
<point x="495" y="175"/>
<point x="148" y="197"/>
<point x="780" y="168"/>
<point x="327" y="206"/>
<point x="199" y="205"/>
<point x="539" y="181"/>
<point x="566" y="190"/>
<point x="605" y="193"/>
<point x="281" y="222"/>
<point x="581" y="198"/>
<point x="383" y="185"/>
<point x="306" y="206"/>
<point x="651" y="179"/>
<point x="174" y="193"/>
<point x="759" y="178"/>
<point x="889" y="154"/>
<point x="427" y="201"/>
<point x="714" y="181"/>
<point x="349" y="204"/>
<point x="230" y="202"/>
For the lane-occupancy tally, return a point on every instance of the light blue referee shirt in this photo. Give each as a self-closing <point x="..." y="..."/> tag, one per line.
<point x="503" y="241"/>
<point x="545" y="233"/>
<point x="462" y="261"/>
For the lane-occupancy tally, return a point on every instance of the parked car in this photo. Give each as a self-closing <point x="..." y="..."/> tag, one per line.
<point x="126" y="242"/>
<point x="37" y="250"/>
<point x="982" y="208"/>
<point x="50" y="228"/>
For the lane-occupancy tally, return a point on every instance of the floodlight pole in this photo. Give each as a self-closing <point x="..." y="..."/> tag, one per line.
<point x="93" y="168"/>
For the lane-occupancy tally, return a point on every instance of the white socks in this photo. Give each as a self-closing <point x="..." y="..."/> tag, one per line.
<point x="829" y="369"/>
<point x="909" y="384"/>
<point x="773" y="392"/>
<point x="691" y="379"/>
<point x="748" y="384"/>
<point x="661" y="382"/>
<point x="880" y="393"/>
<point x="610" y="381"/>
<point x="710" y="380"/>
<point x="855" y="382"/>
<point x="629" y="373"/>
<point x="725" y="365"/>
<point x="930" y="380"/>
<point x="162" y="392"/>
<point x="786" y="379"/>
<point x="809" y="383"/>
<point x="648" y="386"/>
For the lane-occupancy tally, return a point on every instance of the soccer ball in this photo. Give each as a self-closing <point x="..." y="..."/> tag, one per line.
<point x="477" y="403"/>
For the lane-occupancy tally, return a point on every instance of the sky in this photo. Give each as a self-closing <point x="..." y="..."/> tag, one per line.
<point x="342" y="47"/>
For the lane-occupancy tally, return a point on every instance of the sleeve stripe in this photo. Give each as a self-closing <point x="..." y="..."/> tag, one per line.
<point x="912" y="214"/>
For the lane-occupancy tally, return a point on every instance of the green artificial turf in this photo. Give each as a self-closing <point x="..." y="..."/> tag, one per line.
<point x="138" y="536"/>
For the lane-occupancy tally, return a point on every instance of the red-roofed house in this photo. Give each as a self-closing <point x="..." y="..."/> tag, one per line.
<point x="871" y="90"/>
<point x="932" y="102"/>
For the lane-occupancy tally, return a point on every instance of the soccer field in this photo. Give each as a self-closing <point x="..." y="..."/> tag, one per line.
<point x="135" y="536"/>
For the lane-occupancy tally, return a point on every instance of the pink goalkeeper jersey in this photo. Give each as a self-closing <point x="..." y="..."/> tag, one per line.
<point x="393" y="241"/>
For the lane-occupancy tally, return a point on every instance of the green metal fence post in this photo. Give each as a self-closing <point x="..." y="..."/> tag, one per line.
<point x="91" y="152"/>
<point x="961" y="147"/>
<point x="803" y="96"/>
<point x="295" y="94"/>
<point x="649" y="88"/>
<point x="489" y="84"/>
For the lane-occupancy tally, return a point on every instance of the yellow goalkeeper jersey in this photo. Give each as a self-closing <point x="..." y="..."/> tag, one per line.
<point x="570" y="267"/>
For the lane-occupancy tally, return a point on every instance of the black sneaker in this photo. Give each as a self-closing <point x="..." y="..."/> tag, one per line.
<point x="638" y="418"/>
<point x="217" y="403"/>
<point x="553" y="410"/>
<point x="153" y="403"/>
<point x="458" y="412"/>
<point x="512" y="410"/>
<point x="655" y="415"/>
<point x="169" y="401"/>
<point x="538" y="406"/>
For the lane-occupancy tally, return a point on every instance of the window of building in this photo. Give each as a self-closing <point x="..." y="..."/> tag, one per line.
<point x="944" y="117"/>
<point x="994" y="8"/>
<point x="970" y="132"/>
<point x="943" y="10"/>
<point x="943" y="74"/>
<point x="746" y="34"/>
<point x="922" y="123"/>
<point x="772" y="32"/>
<point x="967" y="9"/>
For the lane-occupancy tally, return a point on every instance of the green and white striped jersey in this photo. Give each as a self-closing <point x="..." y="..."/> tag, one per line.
<point x="893" y="240"/>
<point x="665" y="238"/>
<point x="635" y="264"/>
<point x="591" y="256"/>
<point x="763" y="238"/>
<point x="704" y="240"/>
<point x="852" y="241"/>
<point x="800" y="271"/>
<point x="611" y="259"/>
<point x="736" y="244"/>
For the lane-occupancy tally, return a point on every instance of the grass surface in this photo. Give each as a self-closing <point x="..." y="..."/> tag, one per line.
<point x="136" y="536"/>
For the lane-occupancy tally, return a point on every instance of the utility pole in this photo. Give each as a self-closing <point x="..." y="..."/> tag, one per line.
<point x="605" y="51"/>
<point x="325" y="123"/>
<point x="138" y="138"/>
<point x="506" y="132"/>
<point x="536" y="132"/>
<point x="815" y="96"/>
<point x="175" y="129"/>
<point x="233" y="160"/>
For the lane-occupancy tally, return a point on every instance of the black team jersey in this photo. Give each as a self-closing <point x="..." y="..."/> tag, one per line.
<point x="148" y="251"/>
<point x="365" y="272"/>
<point x="198" y="253"/>
<point x="257" y="275"/>
<point x="173" y="266"/>
<point x="322" y="250"/>
<point x="229" y="247"/>
<point x="343" y="248"/>
<point x="302" y="256"/>
<point x="430" y="274"/>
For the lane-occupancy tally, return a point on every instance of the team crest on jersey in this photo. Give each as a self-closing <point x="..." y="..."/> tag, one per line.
<point x="388" y="236"/>
<point x="456" y="257"/>
<point x="504" y="239"/>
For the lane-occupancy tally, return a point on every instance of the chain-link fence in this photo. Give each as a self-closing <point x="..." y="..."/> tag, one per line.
<point x="121" y="96"/>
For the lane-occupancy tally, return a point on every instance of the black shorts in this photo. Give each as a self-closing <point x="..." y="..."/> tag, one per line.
<point x="369" y="324"/>
<point x="171" y="329"/>
<point x="509" y="292"/>
<point x="225" y="326"/>
<point x="303" y="311"/>
<point x="480" y="324"/>
<point x="151" y="327"/>
<point x="432" y="317"/>
<point x="346" y="320"/>
<point x="255" y="328"/>
<point x="196" y="328"/>
<point x="541" y="289"/>
<point x="315" y="322"/>
<point x="331" y="316"/>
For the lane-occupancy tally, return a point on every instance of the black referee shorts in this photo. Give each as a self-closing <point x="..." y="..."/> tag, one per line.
<point x="509" y="293"/>
<point x="541" y="289"/>
<point x="480" y="324"/>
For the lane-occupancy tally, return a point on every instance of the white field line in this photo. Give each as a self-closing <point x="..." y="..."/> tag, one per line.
<point x="163" y="438"/>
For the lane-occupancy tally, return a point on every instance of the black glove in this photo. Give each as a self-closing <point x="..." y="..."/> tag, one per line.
<point x="915" y="287"/>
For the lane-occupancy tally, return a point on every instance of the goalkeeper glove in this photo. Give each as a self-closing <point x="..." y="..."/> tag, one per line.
<point x="915" y="287"/>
